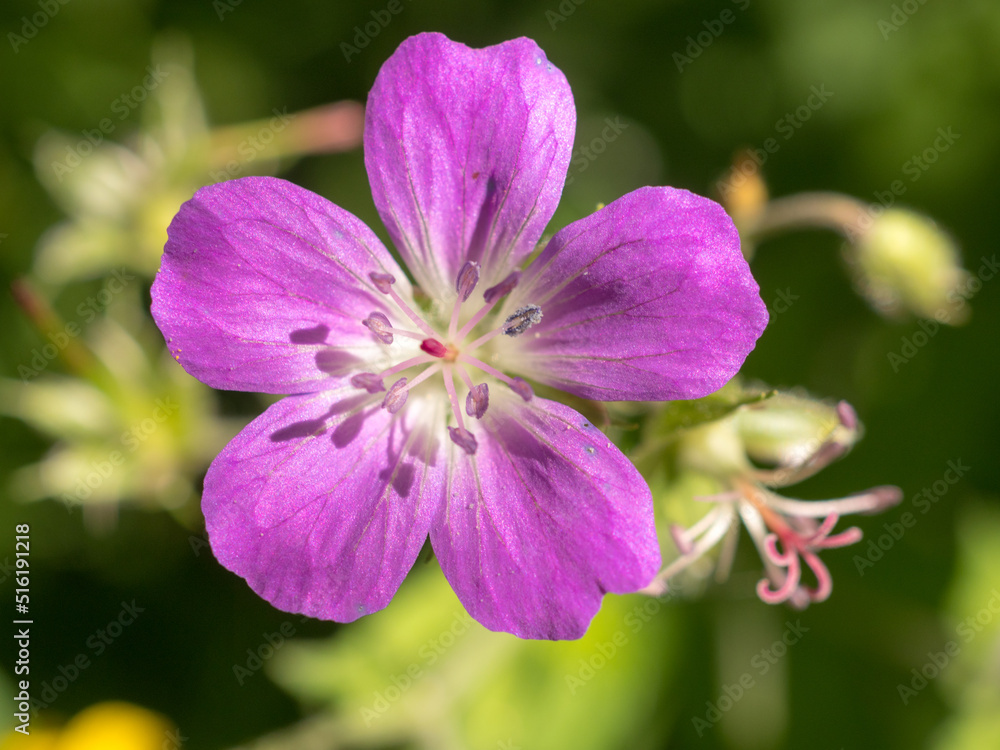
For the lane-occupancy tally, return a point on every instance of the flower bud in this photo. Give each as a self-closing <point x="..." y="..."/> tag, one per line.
<point x="787" y="430"/>
<point x="905" y="263"/>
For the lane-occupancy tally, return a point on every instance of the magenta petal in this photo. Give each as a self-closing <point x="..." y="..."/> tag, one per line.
<point x="647" y="299"/>
<point x="544" y="519"/>
<point x="323" y="502"/>
<point x="264" y="286"/>
<point x="467" y="152"/>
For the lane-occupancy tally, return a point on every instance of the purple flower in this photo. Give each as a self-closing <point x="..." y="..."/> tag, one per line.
<point x="410" y="414"/>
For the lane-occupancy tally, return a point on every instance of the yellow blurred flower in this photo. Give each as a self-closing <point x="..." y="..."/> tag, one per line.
<point x="114" y="725"/>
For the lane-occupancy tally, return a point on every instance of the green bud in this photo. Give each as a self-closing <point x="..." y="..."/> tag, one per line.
<point x="905" y="263"/>
<point x="787" y="429"/>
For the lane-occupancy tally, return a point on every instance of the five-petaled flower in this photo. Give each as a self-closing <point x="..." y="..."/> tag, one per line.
<point x="324" y="502"/>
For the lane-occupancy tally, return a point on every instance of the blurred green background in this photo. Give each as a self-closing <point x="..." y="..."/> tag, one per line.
<point x="897" y="73"/>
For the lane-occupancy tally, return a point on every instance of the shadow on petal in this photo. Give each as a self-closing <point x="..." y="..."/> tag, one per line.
<point x="303" y="429"/>
<point x="336" y="361"/>
<point x="349" y="429"/>
<point x="313" y="427"/>
<point x="402" y="482"/>
<point x="315" y="335"/>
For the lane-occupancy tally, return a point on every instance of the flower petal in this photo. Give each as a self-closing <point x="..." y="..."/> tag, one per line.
<point x="467" y="152"/>
<point x="323" y="502"/>
<point x="544" y="519"/>
<point x="647" y="299"/>
<point x="264" y="286"/>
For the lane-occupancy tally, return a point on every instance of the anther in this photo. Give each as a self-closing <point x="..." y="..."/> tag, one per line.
<point x="848" y="417"/>
<point x="522" y="389"/>
<point x="369" y="381"/>
<point x="521" y="320"/>
<point x="379" y="324"/>
<point x="396" y="396"/>
<point x="433" y="347"/>
<point x="502" y="289"/>
<point x="463" y="439"/>
<point x="382" y="281"/>
<point x="477" y="401"/>
<point x="468" y="277"/>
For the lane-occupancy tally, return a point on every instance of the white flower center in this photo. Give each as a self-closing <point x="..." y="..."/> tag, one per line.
<point x="448" y="355"/>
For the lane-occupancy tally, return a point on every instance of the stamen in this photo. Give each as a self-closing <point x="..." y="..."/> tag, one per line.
<point x="432" y="370"/>
<point x="492" y="295"/>
<point x="369" y="381"/>
<point x="518" y="385"/>
<point x="383" y="282"/>
<point x="517" y="323"/>
<point x="463" y="439"/>
<point x="521" y="320"/>
<point x="522" y="389"/>
<point x="679" y="534"/>
<point x="792" y="575"/>
<point x="406" y="364"/>
<point x="824" y="581"/>
<point x="459" y="435"/>
<point x="874" y="500"/>
<point x="477" y="401"/>
<point x="722" y="519"/>
<point x="449" y="385"/>
<point x="378" y="324"/>
<point x="825" y="455"/>
<point x="502" y="289"/>
<point x="724" y="565"/>
<point x="433" y="347"/>
<point x="468" y="277"/>
<point x="848" y="417"/>
<point x="396" y="396"/>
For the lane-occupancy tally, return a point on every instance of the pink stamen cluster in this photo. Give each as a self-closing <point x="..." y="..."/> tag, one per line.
<point x="785" y="531"/>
